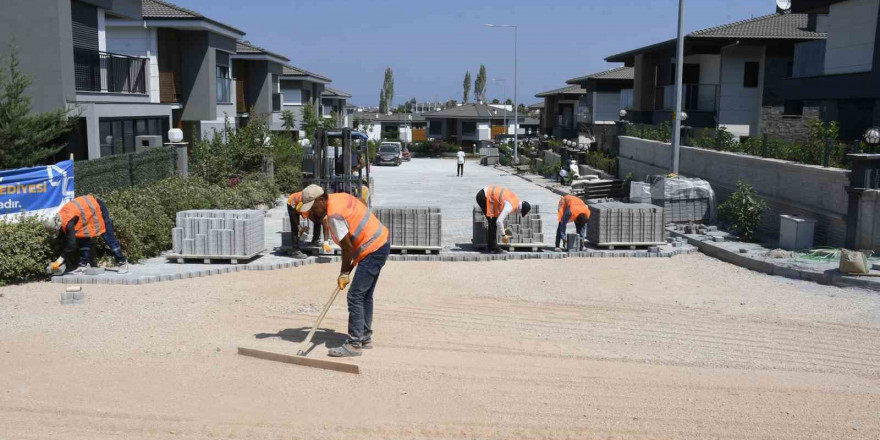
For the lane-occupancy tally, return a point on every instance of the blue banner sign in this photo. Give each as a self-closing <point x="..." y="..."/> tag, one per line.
<point x="36" y="191"/>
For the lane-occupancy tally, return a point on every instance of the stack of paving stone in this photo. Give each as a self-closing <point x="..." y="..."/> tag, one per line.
<point x="218" y="234"/>
<point x="412" y="228"/>
<point x="618" y="223"/>
<point x="285" y="230"/>
<point x="526" y="230"/>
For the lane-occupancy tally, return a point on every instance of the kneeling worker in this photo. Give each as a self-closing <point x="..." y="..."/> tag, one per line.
<point x="365" y="244"/>
<point x="571" y="207"/>
<point x="81" y="220"/>
<point x="497" y="203"/>
<point x="293" y="202"/>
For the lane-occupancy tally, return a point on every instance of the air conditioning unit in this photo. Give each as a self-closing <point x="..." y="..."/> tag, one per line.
<point x="146" y="142"/>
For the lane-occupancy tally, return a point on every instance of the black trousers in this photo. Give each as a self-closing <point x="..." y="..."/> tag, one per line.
<point x="294" y="229"/>
<point x="460" y="169"/>
<point x="492" y="233"/>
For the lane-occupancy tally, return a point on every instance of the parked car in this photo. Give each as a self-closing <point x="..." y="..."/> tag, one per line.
<point x="390" y="153"/>
<point x="406" y="155"/>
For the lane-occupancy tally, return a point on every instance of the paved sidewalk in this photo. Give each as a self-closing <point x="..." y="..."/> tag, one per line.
<point x="432" y="182"/>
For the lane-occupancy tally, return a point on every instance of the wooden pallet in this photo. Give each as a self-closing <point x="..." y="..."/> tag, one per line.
<point x="612" y="246"/>
<point x="319" y="251"/>
<point x="515" y="247"/>
<point x="209" y="259"/>
<point x="427" y="250"/>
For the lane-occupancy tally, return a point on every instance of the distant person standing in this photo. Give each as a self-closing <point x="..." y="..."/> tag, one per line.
<point x="460" y="162"/>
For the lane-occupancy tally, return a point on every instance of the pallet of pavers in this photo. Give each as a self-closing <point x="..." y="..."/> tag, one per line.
<point x="527" y="231"/>
<point x="617" y="224"/>
<point x="228" y="235"/>
<point x="411" y="229"/>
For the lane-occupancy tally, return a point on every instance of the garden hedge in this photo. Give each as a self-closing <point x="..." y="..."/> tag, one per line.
<point x="100" y="176"/>
<point x="142" y="217"/>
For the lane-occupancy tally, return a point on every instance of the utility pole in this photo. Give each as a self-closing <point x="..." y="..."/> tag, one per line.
<point x="679" y="67"/>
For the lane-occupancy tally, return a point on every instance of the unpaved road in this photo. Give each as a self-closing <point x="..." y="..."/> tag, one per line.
<point x="581" y="348"/>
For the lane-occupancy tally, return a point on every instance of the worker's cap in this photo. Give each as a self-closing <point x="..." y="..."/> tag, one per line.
<point x="525" y="208"/>
<point x="310" y="194"/>
<point x="52" y="222"/>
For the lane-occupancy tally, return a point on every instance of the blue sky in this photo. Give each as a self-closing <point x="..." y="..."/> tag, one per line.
<point x="431" y="44"/>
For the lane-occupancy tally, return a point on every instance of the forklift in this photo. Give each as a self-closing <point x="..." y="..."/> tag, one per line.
<point x="319" y="166"/>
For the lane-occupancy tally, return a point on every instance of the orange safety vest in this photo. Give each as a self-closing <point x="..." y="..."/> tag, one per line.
<point x="294" y="200"/>
<point x="367" y="233"/>
<point x="91" y="219"/>
<point x="495" y="198"/>
<point x="573" y="204"/>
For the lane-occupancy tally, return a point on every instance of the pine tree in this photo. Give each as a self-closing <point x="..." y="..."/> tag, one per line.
<point x="383" y="104"/>
<point x="466" y="85"/>
<point x="26" y="139"/>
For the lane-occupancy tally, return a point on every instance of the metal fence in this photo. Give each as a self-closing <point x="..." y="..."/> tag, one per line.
<point x="106" y="174"/>
<point x="109" y="72"/>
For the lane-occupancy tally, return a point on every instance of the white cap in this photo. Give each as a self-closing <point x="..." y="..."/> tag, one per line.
<point x="309" y="195"/>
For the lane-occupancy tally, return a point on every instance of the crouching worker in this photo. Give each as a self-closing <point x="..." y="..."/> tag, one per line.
<point x="293" y="202"/>
<point x="365" y="245"/>
<point x="571" y="207"/>
<point x="81" y="220"/>
<point x="497" y="203"/>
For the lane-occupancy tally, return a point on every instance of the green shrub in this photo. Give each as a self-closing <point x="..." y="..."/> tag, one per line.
<point x="601" y="161"/>
<point x="25" y="250"/>
<point x="743" y="211"/>
<point x="101" y="176"/>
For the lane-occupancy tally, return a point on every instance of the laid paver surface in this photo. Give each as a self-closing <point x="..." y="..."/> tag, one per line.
<point x="432" y="182"/>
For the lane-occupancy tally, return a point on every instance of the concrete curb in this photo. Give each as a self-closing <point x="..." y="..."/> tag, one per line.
<point x="442" y="257"/>
<point x="831" y="278"/>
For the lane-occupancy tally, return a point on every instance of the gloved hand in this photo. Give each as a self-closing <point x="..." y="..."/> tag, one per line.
<point x="508" y="232"/>
<point x="56" y="267"/>
<point x="343" y="280"/>
<point x="327" y="247"/>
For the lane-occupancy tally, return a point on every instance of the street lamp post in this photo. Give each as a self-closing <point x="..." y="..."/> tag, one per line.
<point x="679" y="66"/>
<point x="515" y="101"/>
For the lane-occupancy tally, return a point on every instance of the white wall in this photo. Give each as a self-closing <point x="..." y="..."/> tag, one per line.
<point x="605" y="107"/>
<point x="484" y="130"/>
<point x="851" y="28"/>
<point x="710" y="67"/>
<point x="740" y="107"/>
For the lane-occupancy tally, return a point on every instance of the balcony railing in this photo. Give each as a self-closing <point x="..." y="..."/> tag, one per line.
<point x="696" y="97"/>
<point x="96" y="71"/>
<point x="276" y="102"/>
<point x="224" y="90"/>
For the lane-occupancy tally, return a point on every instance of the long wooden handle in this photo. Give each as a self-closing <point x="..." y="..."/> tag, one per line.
<point x="308" y="339"/>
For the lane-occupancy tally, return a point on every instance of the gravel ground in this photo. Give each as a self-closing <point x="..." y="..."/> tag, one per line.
<point x="584" y="348"/>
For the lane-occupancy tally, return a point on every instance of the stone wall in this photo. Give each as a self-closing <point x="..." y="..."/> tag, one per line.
<point x="788" y="188"/>
<point x="789" y="128"/>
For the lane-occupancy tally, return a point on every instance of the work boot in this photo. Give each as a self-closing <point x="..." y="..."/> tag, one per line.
<point x="367" y="345"/>
<point x="347" y="350"/>
<point x="122" y="268"/>
<point x="81" y="270"/>
<point x="298" y="254"/>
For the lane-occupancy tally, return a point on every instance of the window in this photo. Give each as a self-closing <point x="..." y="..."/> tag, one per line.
<point x="435" y="127"/>
<point x="750" y="74"/>
<point x="469" y="128"/>
<point x="117" y="135"/>
<point x="793" y="108"/>
<point x="291" y="95"/>
<point x="224" y="85"/>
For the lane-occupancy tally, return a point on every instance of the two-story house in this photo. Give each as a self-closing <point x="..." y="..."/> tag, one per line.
<point x="731" y="74"/>
<point x="258" y="83"/>
<point x="560" y="107"/>
<point x="838" y="77"/>
<point x="128" y="70"/>
<point x="333" y="103"/>
<point x="468" y="124"/>
<point x="301" y="88"/>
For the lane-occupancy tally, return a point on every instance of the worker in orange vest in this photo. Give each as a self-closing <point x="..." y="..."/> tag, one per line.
<point x="571" y="207"/>
<point x="365" y="245"/>
<point x="81" y="220"/>
<point x="497" y="203"/>
<point x="296" y="232"/>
